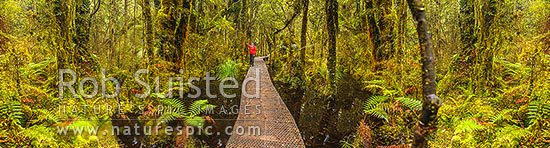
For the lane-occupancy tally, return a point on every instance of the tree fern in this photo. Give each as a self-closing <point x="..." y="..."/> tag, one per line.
<point x="379" y="106"/>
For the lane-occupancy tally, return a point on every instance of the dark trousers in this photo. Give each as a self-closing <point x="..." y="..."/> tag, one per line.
<point x="251" y="60"/>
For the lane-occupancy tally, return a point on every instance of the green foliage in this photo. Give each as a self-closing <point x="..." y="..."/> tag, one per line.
<point x="410" y="103"/>
<point x="191" y="115"/>
<point x="12" y="112"/>
<point x="381" y="106"/>
<point x="468" y="126"/>
<point x="228" y="69"/>
<point x="538" y="112"/>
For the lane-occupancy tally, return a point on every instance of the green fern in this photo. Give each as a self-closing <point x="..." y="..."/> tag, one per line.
<point x="538" y="111"/>
<point x="467" y="126"/>
<point x="373" y="101"/>
<point x="46" y="116"/>
<point x="172" y="102"/>
<point x="509" y="136"/>
<point x="190" y="116"/>
<point x="379" y="107"/>
<point x="374" y="107"/>
<point x="379" y="113"/>
<point x="169" y="116"/>
<point x="12" y="111"/>
<point x="503" y="116"/>
<point x="410" y="103"/>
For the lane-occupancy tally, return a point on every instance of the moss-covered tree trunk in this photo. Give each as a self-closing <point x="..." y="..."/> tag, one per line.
<point x="149" y="39"/>
<point x="59" y="10"/>
<point x="373" y="31"/>
<point x="303" y="36"/>
<point x="82" y="30"/>
<point x="167" y="24"/>
<point x="488" y="31"/>
<point x="468" y="36"/>
<point x="326" y="128"/>
<point x="173" y="21"/>
<point x="431" y="102"/>
<point x="546" y="40"/>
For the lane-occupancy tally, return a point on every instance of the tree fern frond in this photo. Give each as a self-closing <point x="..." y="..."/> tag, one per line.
<point x="385" y="107"/>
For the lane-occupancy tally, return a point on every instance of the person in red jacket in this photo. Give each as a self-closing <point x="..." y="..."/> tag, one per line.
<point x="252" y="52"/>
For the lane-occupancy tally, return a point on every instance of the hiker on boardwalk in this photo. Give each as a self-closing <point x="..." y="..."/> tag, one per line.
<point x="252" y="52"/>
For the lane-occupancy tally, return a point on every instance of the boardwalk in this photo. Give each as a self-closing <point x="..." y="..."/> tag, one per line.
<point x="276" y="125"/>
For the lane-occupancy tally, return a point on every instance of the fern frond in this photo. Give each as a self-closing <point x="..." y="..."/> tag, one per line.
<point x="45" y="115"/>
<point x="537" y="111"/>
<point x="410" y="103"/>
<point x="505" y="115"/>
<point x="511" y="134"/>
<point x="467" y="126"/>
<point x="195" y="121"/>
<point x="196" y="108"/>
<point x="174" y="102"/>
<point x="168" y="116"/>
<point x="12" y="111"/>
<point x="379" y="113"/>
<point x="373" y="101"/>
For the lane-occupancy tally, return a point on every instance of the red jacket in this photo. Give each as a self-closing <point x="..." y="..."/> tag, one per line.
<point x="252" y="49"/>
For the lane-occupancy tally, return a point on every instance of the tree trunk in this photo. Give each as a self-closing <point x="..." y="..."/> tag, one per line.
<point x="431" y="102"/>
<point x="167" y="24"/>
<point x="82" y="36"/>
<point x="331" y="8"/>
<point x="149" y="40"/>
<point x="488" y="39"/>
<point x="59" y="10"/>
<point x="546" y="40"/>
<point x="373" y="31"/>
<point x="303" y="36"/>
<point x="467" y="33"/>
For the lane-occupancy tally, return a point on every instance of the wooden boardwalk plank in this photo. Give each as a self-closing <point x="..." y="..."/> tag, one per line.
<point x="277" y="127"/>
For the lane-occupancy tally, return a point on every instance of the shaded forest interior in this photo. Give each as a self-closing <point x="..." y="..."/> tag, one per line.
<point x="353" y="73"/>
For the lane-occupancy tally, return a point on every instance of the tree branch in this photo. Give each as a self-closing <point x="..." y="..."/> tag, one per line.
<point x="287" y="23"/>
